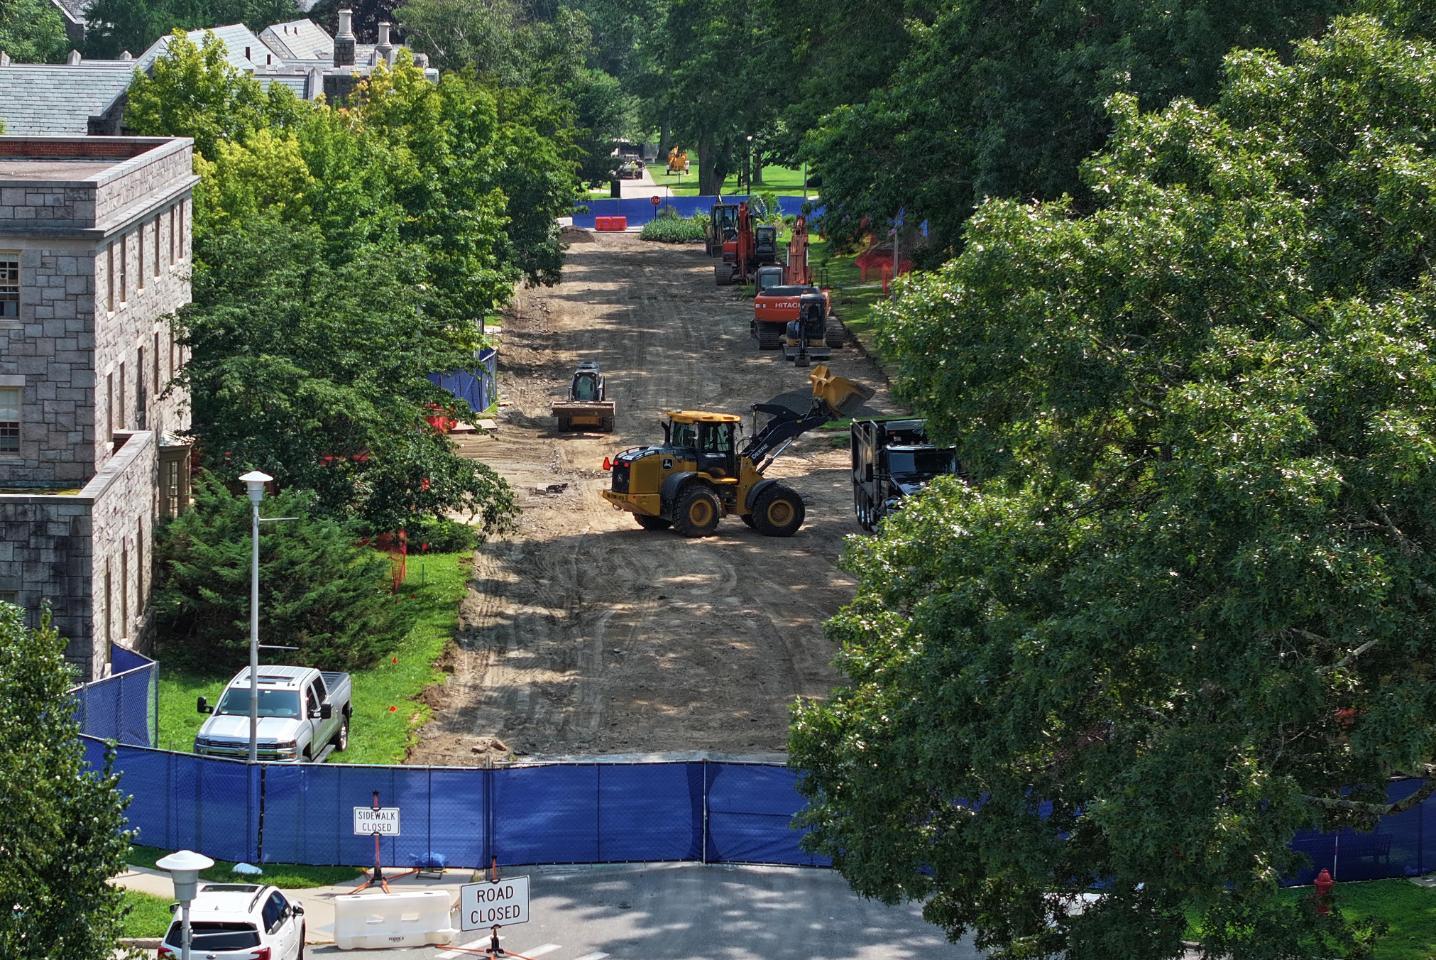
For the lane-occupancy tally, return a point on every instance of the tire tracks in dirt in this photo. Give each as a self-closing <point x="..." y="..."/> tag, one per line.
<point x="583" y="634"/>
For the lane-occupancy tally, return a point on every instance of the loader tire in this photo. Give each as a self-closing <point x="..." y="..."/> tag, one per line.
<point x="778" y="512"/>
<point x="768" y="338"/>
<point x="748" y="519"/>
<point x="652" y="523"/>
<point x="837" y="334"/>
<point x="697" y="512"/>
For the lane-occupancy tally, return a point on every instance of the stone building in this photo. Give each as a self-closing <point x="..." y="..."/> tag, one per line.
<point x="94" y="256"/>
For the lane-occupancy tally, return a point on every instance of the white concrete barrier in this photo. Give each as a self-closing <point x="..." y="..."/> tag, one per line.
<point x="376" y="920"/>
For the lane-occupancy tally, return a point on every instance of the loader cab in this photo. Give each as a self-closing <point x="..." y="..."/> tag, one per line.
<point x="711" y="439"/>
<point x="725" y="221"/>
<point x="765" y="244"/>
<point x="768" y="278"/>
<point x="587" y="386"/>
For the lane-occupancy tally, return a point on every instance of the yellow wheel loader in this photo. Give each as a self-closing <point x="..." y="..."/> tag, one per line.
<point x="699" y="475"/>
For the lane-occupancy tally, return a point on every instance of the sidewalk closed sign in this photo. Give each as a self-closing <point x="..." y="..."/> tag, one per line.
<point x="383" y="821"/>
<point x="481" y="905"/>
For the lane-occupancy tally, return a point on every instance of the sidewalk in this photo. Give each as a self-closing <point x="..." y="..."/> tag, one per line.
<point x="318" y="901"/>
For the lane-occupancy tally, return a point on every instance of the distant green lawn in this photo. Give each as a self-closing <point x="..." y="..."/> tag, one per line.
<point x="289" y="876"/>
<point x="853" y="299"/>
<point x="377" y="734"/>
<point x="1408" y="911"/>
<point x="148" y="916"/>
<point x="783" y="180"/>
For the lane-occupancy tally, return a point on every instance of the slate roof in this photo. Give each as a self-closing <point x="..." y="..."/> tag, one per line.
<point x="75" y="10"/>
<point x="299" y="40"/>
<point x="237" y="39"/>
<point x="60" y="99"/>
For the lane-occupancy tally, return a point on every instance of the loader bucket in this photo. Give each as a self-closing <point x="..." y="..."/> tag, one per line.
<point x="841" y="395"/>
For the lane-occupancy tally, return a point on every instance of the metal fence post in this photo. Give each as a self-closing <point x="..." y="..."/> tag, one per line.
<point x="705" y="810"/>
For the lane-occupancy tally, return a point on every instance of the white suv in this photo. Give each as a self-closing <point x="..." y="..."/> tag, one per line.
<point x="239" y="921"/>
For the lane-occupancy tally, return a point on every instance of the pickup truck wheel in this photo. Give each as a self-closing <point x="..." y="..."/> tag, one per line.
<point x="341" y="739"/>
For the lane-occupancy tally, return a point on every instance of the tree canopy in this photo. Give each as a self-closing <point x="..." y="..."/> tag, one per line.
<point x="342" y="256"/>
<point x="114" y="26"/>
<point x="64" y="837"/>
<point x="1184" y="607"/>
<point x="32" y="31"/>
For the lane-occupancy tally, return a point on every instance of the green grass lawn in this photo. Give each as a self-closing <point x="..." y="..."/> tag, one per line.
<point x="377" y="733"/>
<point x="290" y="876"/>
<point x="1408" y="911"/>
<point x="782" y="180"/>
<point x="147" y="916"/>
<point x="853" y="299"/>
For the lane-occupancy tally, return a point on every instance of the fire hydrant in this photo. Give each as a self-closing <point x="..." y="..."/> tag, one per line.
<point x="1323" y="885"/>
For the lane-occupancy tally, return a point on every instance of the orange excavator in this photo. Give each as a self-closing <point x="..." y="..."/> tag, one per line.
<point x="779" y="304"/>
<point x="750" y="248"/>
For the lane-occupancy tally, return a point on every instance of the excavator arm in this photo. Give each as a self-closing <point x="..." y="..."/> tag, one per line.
<point x="833" y="397"/>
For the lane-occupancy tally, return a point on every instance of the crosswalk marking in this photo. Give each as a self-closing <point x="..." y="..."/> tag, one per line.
<point x="450" y="954"/>
<point x="541" y="950"/>
<point x="593" y="956"/>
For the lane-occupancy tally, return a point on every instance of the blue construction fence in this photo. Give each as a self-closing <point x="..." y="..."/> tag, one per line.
<point x="598" y="812"/>
<point x="641" y="210"/>
<point x="705" y="811"/>
<point x="123" y="706"/>
<point x="478" y="387"/>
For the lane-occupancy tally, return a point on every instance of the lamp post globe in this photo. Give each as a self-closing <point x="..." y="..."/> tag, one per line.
<point x="184" y="868"/>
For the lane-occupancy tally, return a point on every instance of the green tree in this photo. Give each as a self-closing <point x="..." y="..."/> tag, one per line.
<point x="1185" y="607"/>
<point x="192" y="91"/>
<point x="994" y="99"/>
<point x="65" y="837"/>
<point x="32" y="31"/>
<point x="322" y="592"/>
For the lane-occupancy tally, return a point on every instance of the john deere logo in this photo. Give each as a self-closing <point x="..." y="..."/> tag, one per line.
<point x="667" y="463"/>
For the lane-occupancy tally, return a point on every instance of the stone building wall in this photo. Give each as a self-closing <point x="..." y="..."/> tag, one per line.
<point x="121" y="499"/>
<point x="45" y="559"/>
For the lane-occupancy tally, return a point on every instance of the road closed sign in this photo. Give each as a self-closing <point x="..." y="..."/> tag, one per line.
<point x="481" y="905"/>
<point x="383" y="821"/>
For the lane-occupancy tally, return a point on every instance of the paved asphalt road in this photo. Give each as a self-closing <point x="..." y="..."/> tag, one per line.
<point x="695" y="912"/>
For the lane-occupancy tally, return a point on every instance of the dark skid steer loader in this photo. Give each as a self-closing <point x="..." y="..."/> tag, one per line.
<point x="699" y="475"/>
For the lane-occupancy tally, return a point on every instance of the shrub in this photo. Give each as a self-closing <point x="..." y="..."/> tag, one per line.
<point x="668" y="227"/>
<point x="319" y="591"/>
<point x="443" y="535"/>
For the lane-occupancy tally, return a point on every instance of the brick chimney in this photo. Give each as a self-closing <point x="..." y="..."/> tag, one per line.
<point x="344" y="41"/>
<point x="385" y="47"/>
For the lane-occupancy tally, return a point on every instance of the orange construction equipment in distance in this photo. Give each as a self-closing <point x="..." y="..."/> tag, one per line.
<point x="797" y="272"/>
<point x="752" y="247"/>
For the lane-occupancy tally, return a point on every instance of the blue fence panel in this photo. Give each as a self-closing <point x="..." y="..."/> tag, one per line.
<point x="640" y="210"/>
<point x="750" y="812"/>
<point x="122" y="660"/>
<point x="545" y="814"/>
<point x="121" y="706"/>
<point x="649" y="811"/>
<point x="475" y="387"/>
<point x="459" y="816"/>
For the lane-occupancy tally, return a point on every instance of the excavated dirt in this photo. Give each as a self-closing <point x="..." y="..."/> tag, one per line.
<point x="582" y="633"/>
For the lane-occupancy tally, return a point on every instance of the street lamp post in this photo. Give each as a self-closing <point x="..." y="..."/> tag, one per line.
<point x="254" y="482"/>
<point x="184" y="868"/>
<point x="748" y="166"/>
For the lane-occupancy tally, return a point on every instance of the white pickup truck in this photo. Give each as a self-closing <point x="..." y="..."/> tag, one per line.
<point x="303" y="714"/>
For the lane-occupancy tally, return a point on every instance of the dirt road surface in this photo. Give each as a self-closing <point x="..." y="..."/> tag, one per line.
<point x="584" y="634"/>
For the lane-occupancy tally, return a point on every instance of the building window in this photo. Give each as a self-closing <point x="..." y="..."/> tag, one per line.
<point x="109" y="606"/>
<point x="157" y="246"/>
<point x="157" y="364"/>
<point x="124" y="590"/>
<point x="172" y="236"/>
<point x="142" y="401"/>
<point x="110" y="277"/>
<point x="110" y="406"/>
<point x="9" y="419"/>
<point x="9" y="286"/>
<point x="140" y="570"/>
<point x="182" y="206"/>
<point x="140" y="261"/>
<point x="120" y="411"/>
<point x="125" y="269"/>
<point x="172" y="355"/>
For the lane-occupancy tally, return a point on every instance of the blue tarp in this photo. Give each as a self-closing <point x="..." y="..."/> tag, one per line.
<point x="121" y="706"/>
